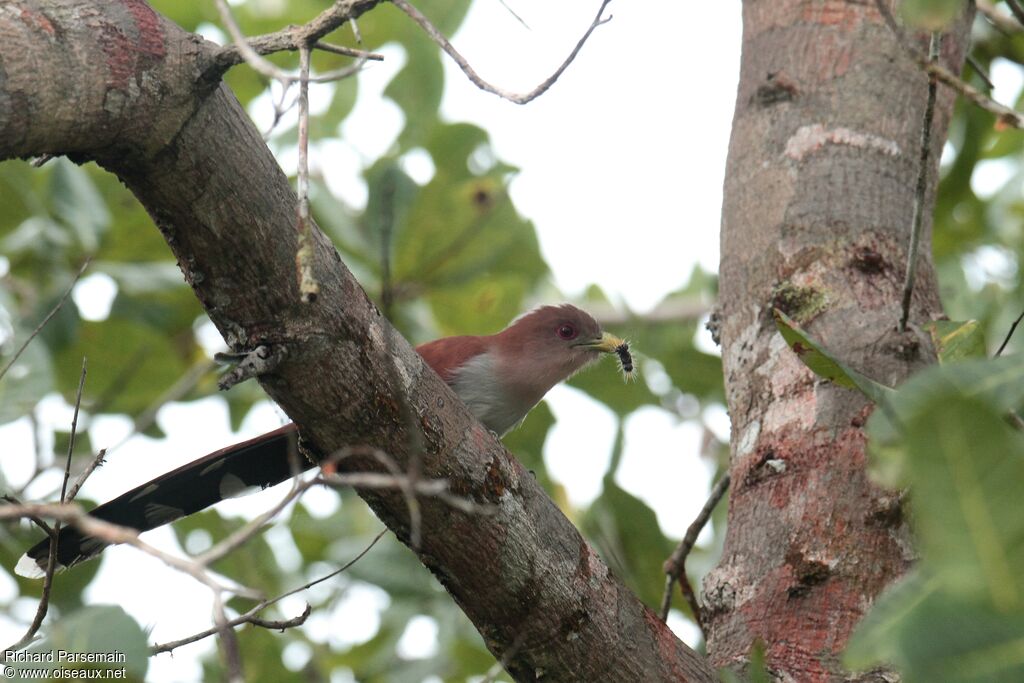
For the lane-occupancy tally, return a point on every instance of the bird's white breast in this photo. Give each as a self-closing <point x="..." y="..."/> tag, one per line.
<point x="478" y="386"/>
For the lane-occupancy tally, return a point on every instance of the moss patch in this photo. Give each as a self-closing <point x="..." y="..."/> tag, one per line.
<point x="799" y="303"/>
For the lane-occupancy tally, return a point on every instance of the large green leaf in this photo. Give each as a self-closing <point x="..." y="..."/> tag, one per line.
<point x="130" y="365"/>
<point x="626" y="531"/>
<point x="78" y="204"/>
<point x="29" y="379"/>
<point x="930" y="635"/>
<point x="97" y="629"/>
<point x="966" y="466"/>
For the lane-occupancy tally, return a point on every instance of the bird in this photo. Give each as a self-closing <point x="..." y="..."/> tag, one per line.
<point x="500" y="377"/>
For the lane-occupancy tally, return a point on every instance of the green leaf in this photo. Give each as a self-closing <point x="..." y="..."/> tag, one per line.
<point x="603" y="382"/>
<point x="26" y="382"/>
<point x="931" y="15"/>
<point x="96" y="629"/>
<point x="967" y="469"/>
<point x="61" y="441"/>
<point x="996" y="382"/>
<point x="527" y="443"/>
<point x="78" y="204"/>
<point x="822" y="363"/>
<point x="930" y="635"/>
<point x="956" y="341"/>
<point x="626" y="531"/>
<point x="130" y="365"/>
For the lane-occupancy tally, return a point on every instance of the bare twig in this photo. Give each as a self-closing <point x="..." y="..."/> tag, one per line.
<point x="114" y="534"/>
<point x="84" y="474"/>
<point x="922" y="183"/>
<point x="295" y="38"/>
<point x="288" y="39"/>
<point x="518" y="18"/>
<point x="51" y="559"/>
<point x="280" y="109"/>
<point x="1001" y="21"/>
<point x="1005" y="116"/>
<point x="250" y="616"/>
<point x="1016" y="10"/>
<point x="1013" y="328"/>
<point x="980" y="70"/>
<point x="445" y="45"/>
<point x="176" y="391"/>
<point x="250" y="529"/>
<point x="675" y="565"/>
<point x="348" y="51"/>
<point x="38" y="521"/>
<point x="228" y="640"/>
<point x="47" y="319"/>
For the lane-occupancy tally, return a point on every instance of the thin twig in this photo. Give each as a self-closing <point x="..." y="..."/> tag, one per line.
<point x="348" y="51"/>
<point x="251" y="51"/>
<point x="250" y="616"/>
<point x="1001" y="21"/>
<point x="251" y="528"/>
<point x="1005" y="116"/>
<point x="47" y="319"/>
<point x="84" y="474"/>
<point x="922" y="184"/>
<point x="675" y="565"/>
<point x="1013" y="328"/>
<point x="445" y="45"/>
<point x="1016" y="10"/>
<point x="51" y="559"/>
<point x="280" y="109"/>
<point x="287" y="39"/>
<point x="38" y="521"/>
<point x="228" y="640"/>
<point x="980" y="70"/>
<point x="521" y="21"/>
<point x="114" y="534"/>
<point x="251" y="57"/>
<point x="175" y="392"/>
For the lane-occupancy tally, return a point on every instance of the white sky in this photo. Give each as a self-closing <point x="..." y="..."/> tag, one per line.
<point x="622" y="168"/>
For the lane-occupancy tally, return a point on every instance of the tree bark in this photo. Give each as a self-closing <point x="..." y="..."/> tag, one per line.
<point x="115" y="83"/>
<point x="819" y="193"/>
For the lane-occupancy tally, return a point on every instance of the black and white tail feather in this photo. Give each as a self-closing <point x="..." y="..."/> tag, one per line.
<point x="258" y="463"/>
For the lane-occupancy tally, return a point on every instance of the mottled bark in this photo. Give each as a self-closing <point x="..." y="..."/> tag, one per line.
<point x="819" y="195"/>
<point x="115" y="83"/>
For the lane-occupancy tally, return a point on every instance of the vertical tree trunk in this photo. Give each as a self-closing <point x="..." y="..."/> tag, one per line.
<point x="819" y="193"/>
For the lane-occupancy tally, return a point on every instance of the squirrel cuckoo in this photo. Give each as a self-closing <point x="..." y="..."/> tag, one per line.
<point x="500" y="377"/>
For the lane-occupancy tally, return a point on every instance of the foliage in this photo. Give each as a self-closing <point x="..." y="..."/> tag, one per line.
<point x="462" y="259"/>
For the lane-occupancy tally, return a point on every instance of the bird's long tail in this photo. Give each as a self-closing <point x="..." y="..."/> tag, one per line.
<point x="261" y="462"/>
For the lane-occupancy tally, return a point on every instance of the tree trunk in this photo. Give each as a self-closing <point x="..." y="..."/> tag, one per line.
<point x="819" y="192"/>
<point x="116" y="83"/>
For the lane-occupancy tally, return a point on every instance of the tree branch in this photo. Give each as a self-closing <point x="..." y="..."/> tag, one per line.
<point x="445" y="45"/>
<point x="250" y="616"/>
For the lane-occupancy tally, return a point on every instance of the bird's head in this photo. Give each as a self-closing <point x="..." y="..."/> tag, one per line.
<point x="550" y="344"/>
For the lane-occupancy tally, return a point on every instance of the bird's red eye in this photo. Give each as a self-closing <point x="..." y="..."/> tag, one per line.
<point x="567" y="331"/>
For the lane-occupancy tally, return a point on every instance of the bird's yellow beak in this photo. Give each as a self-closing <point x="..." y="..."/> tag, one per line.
<point x="608" y="343"/>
